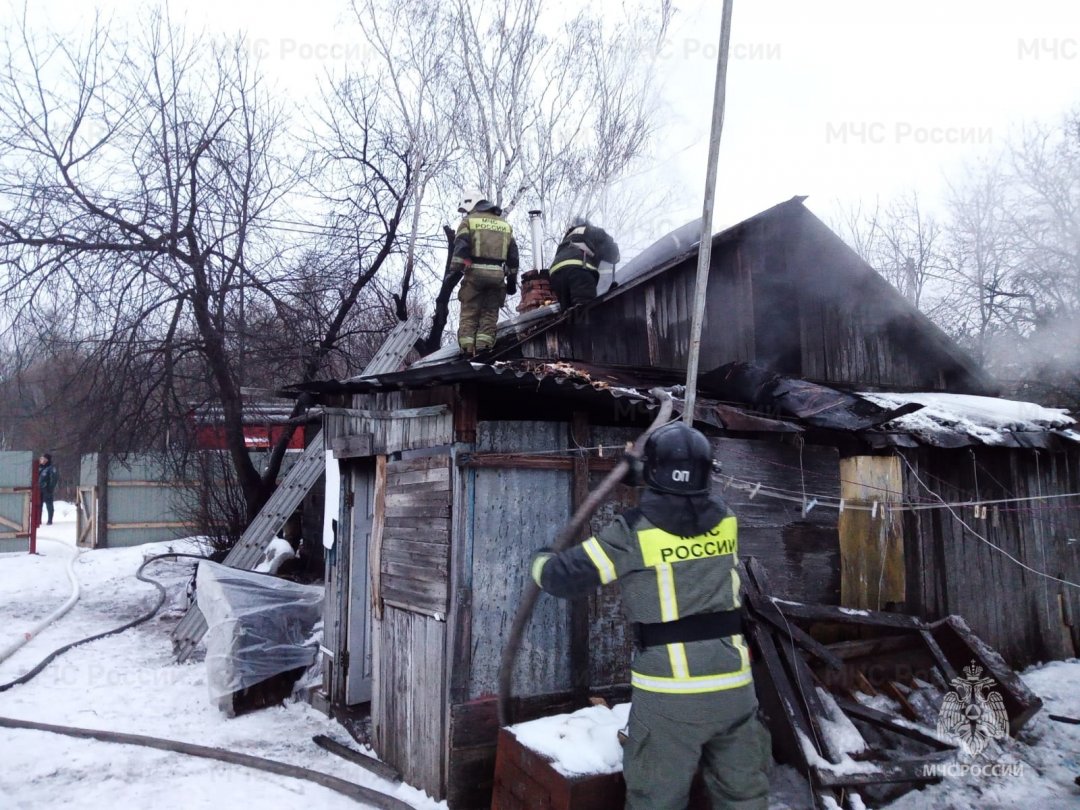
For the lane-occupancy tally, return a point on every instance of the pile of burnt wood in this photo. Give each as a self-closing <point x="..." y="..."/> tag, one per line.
<point x="892" y="704"/>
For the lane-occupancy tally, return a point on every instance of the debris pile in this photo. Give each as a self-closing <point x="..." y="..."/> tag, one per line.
<point x="893" y="703"/>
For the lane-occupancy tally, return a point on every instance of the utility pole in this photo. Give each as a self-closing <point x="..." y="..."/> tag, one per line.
<point x="705" y="247"/>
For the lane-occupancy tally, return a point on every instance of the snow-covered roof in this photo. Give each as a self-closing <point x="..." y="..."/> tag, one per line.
<point x="986" y="420"/>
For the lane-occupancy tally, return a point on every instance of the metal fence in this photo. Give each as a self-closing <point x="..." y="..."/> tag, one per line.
<point x="16" y="474"/>
<point x="145" y="500"/>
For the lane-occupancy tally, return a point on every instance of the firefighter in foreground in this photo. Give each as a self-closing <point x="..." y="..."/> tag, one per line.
<point x="575" y="268"/>
<point x="693" y="693"/>
<point x="486" y="255"/>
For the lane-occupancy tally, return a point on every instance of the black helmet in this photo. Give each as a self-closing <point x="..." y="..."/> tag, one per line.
<point x="677" y="460"/>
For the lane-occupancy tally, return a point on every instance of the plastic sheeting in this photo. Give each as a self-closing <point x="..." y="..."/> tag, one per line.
<point x="258" y="626"/>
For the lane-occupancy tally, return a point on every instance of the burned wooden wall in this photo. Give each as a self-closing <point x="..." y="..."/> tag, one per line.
<point x="784" y="292"/>
<point x="800" y="552"/>
<point x="1026" y="617"/>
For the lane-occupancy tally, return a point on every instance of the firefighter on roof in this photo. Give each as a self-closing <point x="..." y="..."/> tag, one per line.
<point x="575" y="269"/>
<point x="486" y="255"/>
<point x="693" y="693"/>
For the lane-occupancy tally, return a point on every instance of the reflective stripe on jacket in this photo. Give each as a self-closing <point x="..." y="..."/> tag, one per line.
<point x="486" y="240"/>
<point x="663" y="577"/>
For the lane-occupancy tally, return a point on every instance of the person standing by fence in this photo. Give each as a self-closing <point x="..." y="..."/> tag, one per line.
<point x="48" y="478"/>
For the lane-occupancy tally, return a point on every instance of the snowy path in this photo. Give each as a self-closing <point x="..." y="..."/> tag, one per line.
<point x="130" y="683"/>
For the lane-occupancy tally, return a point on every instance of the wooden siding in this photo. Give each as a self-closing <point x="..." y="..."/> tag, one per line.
<point x="784" y="292"/>
<point x="414" y="555"/>
<point x="801" y="553"/>
<point x="514" y="512"/>
<point x="409" y="697"/>
<point x="1026" y="617"/>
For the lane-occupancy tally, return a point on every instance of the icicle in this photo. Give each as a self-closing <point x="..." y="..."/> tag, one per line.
<point x="808" y="506"/>
<point x="754" y="491"/>
<point x="873" y="512"/>
<point x="842" y="506"/>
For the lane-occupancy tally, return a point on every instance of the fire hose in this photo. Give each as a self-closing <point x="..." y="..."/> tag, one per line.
<point x="565" y="537"/>
<point x="27" y="635"/>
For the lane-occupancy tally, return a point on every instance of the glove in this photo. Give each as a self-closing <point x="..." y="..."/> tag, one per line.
<point x="511" y="285"/>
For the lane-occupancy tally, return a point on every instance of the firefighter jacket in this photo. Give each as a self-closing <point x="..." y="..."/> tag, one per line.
<point x="585" y="246"/>
<point x="484" y="240"/>
<point x="664" y="577"/>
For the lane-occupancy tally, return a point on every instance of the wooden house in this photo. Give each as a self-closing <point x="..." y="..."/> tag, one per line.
<point x="454" y="472"/>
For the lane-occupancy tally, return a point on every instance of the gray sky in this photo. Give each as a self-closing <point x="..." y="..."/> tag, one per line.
<point x="840" y="100"/>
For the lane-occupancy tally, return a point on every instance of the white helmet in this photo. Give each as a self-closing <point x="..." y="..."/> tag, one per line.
<point x="469" y="199"/>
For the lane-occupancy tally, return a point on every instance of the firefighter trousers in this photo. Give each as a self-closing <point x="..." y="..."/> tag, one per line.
<point x="671" y="735"/>
<point x="574" y="285"/>
<point x="482" y="294"/>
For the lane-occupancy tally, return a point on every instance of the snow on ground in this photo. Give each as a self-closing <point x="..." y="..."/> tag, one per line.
<point x="1047" y="753"/>
<point x="130" y="683"/>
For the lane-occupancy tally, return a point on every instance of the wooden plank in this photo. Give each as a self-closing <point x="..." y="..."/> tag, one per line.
<point x="872" y="571"/>
<point x="785" y="712"/>
<point x="416" y="496"/>
<point x="414" y="464"/>
<point x="437" y="534"/>
<point x="912" y="770"/>
<point x="433" y="476"/>
<point x="857" y="710"/>
<point x="353" y="446"/>
<point x="765" y="609"/>
<point x="417" y="570"/>
<point x="406" y="590"/>
<point x="947" y="669"/>
<point x="378" y="535"/>
<point x="439" y="509"/>
<point x="436" y="525"/>
<point x="161" y="524"/>
<point x="841" y="615"/>
<point x="397" y="545"/>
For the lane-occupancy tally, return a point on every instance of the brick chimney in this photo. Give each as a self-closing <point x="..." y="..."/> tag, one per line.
<point x="535" y="291"/>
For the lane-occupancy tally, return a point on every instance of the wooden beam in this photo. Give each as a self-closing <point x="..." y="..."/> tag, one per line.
<point x="912" y="770"/>
<point x="765" y="609"/>
<point x="532" y="462"/>
<point x="840" y="615"/>
<point x="357" y="445"/>
<point x="854" y="709"/>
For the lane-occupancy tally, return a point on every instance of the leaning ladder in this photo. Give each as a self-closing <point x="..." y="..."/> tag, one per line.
<point x="248" y="552"/>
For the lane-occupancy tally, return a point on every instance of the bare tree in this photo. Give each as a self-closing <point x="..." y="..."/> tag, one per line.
<point x="506" y="98"/>
<point x="146" y="181"/>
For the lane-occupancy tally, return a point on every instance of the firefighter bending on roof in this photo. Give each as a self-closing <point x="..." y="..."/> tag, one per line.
<point x="575" y="270"/>
<point x="486" y="254"/>
<point x="693" y="693"/>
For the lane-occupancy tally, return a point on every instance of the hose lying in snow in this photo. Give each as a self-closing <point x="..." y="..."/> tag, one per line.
<point x="562" y="540"/>
<point x="342" y="786"/>
<point x="24" y="678"/>
<point x="24" y="637"/>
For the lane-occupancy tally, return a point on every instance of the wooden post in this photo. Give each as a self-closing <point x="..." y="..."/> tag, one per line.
<point x="35" y="504"/>
<point x="705" y="247"/>
<point x="101" y="513"/>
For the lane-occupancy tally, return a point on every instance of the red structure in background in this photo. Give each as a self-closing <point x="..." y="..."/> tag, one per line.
<point x="264" y="424"/>
<point x="256" y="437"/>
